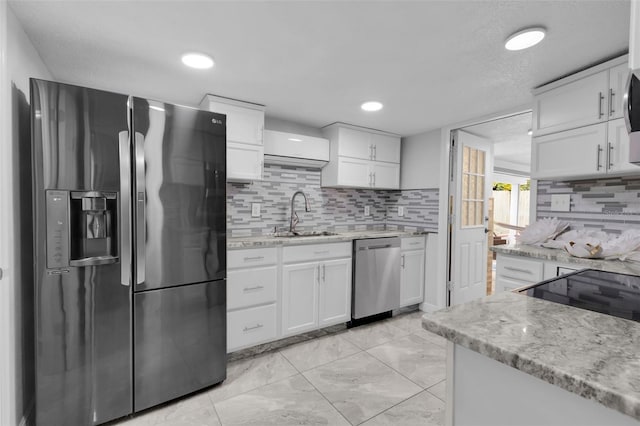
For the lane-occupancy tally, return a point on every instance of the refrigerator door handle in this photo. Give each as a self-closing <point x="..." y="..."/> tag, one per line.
<point x="125" y="208"/>
<point x="140" y="209"/>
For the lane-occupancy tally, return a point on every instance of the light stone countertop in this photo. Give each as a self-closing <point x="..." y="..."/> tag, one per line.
<point x="593" y="355"/>
<point x="271" y="241"/>
<point x="562" y="256"/>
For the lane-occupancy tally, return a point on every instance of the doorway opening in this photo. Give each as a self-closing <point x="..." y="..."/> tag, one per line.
<point x="500" y="209"/>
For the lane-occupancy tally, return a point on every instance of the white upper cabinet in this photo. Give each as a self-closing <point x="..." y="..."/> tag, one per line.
<point x="570" y="154"/>
<point x="572" y="105"/>
<point x="245" y="128"/>
<point x="617" y="80"/>
<point x="361" y="158"/>
<point x="588" y="97"/>
<point x="618" y="149"/>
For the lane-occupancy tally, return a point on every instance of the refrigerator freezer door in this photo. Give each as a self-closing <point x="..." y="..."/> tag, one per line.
<point x="82" y="313"/>
<point x="180" y="341"/>
<point x="180" y="195"/>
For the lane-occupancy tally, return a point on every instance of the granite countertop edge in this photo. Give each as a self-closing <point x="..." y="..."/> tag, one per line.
<point x="582" y="385"/>
<point x="236" y="243"/>
<point x="560" y="256"/>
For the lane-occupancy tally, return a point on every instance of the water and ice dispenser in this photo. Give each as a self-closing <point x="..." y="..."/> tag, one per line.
<point x="81" y="228"/>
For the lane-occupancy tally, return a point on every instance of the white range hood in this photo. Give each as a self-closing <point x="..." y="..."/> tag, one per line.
<point x="291" y="149"/>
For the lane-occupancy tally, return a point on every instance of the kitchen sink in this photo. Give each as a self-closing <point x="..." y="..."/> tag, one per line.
<point x="303" y="234"/>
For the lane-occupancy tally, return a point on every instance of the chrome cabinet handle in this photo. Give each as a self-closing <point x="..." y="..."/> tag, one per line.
<point x="511" y="268"/>
<point x="370" y="179"/>
<point x="611" y="95"/>
<point x="125" y="208"/>
<point x="402" y="261"/>
<point x="370" y="152"/>
<point x="140" y="209"/>
<point x="598" y="157"/>
<point x="609" y="156"/>
<point x="324" y="271"/>
<point x="258" y="287"/>
<point x="600" y="99"/>
<point x="255" y="327"/>
<point x="246" y="259"/>
<point x="375" y="152"/>
<point x="374" y="179"/>
<point x="322" y="252"/>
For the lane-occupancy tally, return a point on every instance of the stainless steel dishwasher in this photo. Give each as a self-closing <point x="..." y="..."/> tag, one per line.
<point x="376" y="280"/>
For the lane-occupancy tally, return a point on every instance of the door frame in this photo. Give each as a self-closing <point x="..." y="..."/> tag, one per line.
<point x="7" y="310"/>
<point x="443" y="271"/>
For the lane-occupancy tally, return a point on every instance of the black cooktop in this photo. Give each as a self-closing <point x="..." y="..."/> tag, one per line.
<point x="605" y="292"/>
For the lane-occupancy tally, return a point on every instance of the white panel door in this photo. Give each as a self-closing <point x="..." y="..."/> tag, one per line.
<point x="354" y="172"/>
<point x="385" y="148"/>
<point x="617" y="80"/>
<point x="354" y="143"/>
<point x="386" y="175"/>
<point x="411" y="277"/>
<point x="572" y="105"/>
<point x="335" y="292"/>
<point x="618" y="149"/>
<point x="473" y="165"/>
<point x="244" y="162"/>
<point x="299" y="297"/>
<point x="570" y="154"/>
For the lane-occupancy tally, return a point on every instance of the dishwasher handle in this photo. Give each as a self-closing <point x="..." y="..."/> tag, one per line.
<point x="375" y="247"/>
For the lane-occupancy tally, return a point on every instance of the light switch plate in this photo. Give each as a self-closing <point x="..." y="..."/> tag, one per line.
<point x="561" y="202"/>
<point x="255" y="209"/>
<point x="400" y="211"/>
<point x="367" y="210"/>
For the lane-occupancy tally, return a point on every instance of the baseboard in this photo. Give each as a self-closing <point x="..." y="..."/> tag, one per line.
<point x="27" y="419"/>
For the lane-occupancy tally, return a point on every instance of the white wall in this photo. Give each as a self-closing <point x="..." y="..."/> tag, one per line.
<point x="420" y="161"/>
<point x="21" y="61"/>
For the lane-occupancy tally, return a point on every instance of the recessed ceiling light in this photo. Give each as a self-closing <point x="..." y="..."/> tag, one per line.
<point x="525" y="38"/>
<point x="371" y="106"/>
<point x="197" y="60"/>
<point x="529" y="132"/>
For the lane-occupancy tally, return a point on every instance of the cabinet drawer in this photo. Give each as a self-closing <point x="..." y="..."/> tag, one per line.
<point x="316" y="252"/>
<point x="412" y="243"/>
<point x="524" y="270"/>
<point x="253" y="286"/>
<point x="251" y="326"/>
<point x="508" y="284"/>
<point x="251" y="257"/>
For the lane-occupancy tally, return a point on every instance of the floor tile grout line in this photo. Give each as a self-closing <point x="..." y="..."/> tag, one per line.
<point x="261" y="386"/>
<point x="328" y="362"/>
<point x="391" y="367"/>
<point x="325" y="398"/>
<point x="427" y="389"/>
<point x="395" y="405"/>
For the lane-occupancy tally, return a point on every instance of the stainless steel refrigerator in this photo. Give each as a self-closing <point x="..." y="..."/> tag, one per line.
<point x="130" y="252"/>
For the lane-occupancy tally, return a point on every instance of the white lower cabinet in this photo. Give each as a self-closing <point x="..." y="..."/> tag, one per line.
<point x="412" y="262"/>
<point x="316" y="287"/>
<point x="248" y="327"/>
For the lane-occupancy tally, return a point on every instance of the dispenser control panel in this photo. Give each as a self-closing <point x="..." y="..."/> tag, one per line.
<point x="57" y="229"/>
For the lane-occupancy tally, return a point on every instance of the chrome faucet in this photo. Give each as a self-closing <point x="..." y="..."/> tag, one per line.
<point x="294" y="216"/>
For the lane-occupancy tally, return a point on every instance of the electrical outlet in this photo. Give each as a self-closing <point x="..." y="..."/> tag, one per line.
<point x="401" y="211"/>
<point x="561" y="202"/>
<point x="367" y="210"/>
<point x="255" y="209"/>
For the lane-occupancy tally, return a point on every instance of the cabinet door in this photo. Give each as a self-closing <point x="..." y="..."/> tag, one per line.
<point x="385" y="148"/>
<point x="335" y="292"/>
<point x="617" y="80"/>
<point x="354" y="143"/>
<point x="412" y="277"/>
<point x="572" y="105"/>
<point x="386" y="175"/>
<point x="244" y="162"/>
<point x="299" y="297"/>
<point x="618" y="149"/>
<point x="244" y="125"/>
<point x="570" y="154"/>
<point x="354" y="172"/>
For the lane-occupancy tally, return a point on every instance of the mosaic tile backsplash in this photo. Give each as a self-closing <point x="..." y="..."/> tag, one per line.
<point x="332" y="209"/>
<point x="610" y="205"/>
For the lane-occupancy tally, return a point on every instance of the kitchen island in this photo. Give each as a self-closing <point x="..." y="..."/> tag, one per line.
<point x="517" y="360"/>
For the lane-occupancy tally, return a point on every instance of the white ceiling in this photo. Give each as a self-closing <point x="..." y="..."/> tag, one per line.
<point x="511" y="141"/>
<point x="432" y="63"/>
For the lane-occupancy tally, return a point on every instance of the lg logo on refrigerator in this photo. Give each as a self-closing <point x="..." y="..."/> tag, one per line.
<point x="216" y="121"/>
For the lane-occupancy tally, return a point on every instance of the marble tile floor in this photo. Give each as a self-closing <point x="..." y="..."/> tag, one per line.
<point x="387" y="373"/>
